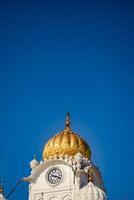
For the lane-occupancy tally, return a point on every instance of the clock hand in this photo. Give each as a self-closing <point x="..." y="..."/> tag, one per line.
<point x="55" y="176"/>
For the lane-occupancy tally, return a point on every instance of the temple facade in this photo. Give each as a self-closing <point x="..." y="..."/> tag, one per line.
<point x="66" y="172"/>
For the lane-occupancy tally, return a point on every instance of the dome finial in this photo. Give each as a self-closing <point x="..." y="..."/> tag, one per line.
<point x="68" y="123"/>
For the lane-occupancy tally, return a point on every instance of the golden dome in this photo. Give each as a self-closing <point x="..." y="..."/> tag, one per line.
<point x="66" y="143"/>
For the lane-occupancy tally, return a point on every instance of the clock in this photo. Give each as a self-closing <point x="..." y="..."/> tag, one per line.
<point x="54" y="176"/>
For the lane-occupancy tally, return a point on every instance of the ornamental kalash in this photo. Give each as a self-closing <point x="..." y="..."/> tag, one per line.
<point x="66" y="172"/>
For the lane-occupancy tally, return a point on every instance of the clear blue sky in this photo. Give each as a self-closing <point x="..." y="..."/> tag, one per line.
<point x="57" y="56"/>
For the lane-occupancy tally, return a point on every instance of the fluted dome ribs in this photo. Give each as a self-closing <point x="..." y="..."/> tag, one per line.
<point x="66" y="143"/>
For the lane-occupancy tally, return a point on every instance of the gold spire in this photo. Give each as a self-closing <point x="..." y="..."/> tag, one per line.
<point x="68" y="123"/>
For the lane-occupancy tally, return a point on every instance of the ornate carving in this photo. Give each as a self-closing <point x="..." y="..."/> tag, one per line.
<point x="53" y="198"/>
<point x="67" y="197"/>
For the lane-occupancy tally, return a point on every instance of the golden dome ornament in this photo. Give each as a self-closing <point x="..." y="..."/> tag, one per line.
<point x="66" y="143"/>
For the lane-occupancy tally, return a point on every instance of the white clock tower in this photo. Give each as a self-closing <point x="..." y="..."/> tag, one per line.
<point x="66" y="172"/>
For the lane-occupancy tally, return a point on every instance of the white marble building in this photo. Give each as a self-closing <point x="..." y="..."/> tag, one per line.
<point x="66" y="172"/>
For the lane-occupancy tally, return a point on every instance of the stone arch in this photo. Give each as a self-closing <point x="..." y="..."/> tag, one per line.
<point x="54" y="198"/>
<point x="67" y="197"/>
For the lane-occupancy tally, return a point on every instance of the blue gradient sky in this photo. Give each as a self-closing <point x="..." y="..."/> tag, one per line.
<point x="57" y="56"/>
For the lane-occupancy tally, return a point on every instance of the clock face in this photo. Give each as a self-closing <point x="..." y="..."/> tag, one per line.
<point x="54" y="176"/>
